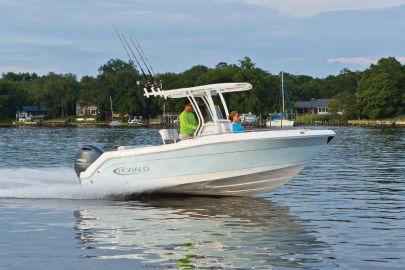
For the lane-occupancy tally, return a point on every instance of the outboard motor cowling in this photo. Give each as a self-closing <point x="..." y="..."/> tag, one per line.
<point x="85" y="157"/>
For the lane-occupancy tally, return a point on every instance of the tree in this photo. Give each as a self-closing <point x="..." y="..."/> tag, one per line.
<point x="118" y="79"/>
<point x="377" y="92"/>
<point x="381" y="89"/>
<point x="10" y="98"/>
<point x="11" y="76"/>
<point x="246" y="63"/>
<point x="377" y="96"/>
<point x="344" y="102"/>
<point x="332" y="85"/>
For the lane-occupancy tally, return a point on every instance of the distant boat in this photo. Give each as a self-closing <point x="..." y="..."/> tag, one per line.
<point x="136" y="121"/>
<point x="281" y="119"/>
<point x="114" y="123"/>
<point x="249" y="118"/>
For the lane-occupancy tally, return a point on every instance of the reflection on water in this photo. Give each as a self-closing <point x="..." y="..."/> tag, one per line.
<point x="197" y="232"/>
<point x="353" y="194"/>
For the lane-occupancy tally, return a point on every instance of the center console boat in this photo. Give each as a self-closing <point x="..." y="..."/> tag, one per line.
<point x="214" y="162"/>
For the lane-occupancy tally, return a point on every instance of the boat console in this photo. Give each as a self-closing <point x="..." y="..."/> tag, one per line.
<point x="220" y="126"/>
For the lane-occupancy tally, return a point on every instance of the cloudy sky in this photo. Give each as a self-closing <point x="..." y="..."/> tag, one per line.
<point x="314" y="37"/>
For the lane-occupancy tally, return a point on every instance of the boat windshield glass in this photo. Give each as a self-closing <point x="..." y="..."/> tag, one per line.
<point x="206" y="110"/>
<point x="206" y="114"/>
<point x="219" y="112"/>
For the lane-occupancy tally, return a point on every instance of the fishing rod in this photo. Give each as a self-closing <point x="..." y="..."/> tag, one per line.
<point x="122" y="42"/>
<point x="136" y="59"/>
<point x="155" y="83"/>
<point x="149" y="84"/>
<point x="145" y="60"/>
<point x="143" y="53"/>
<point x="139" y="53"/>
<point x="127" y="47"/>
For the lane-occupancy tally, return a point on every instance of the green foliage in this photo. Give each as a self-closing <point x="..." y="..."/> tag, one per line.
<point x="345" y="102"/>
<point x="117" y="79"/>
<point x="10" y="97"/>
<point x="18" y="77"/>
<point x="57" y="92"/>
<point x="378" y="92"/>
<point x="314" y="118"/>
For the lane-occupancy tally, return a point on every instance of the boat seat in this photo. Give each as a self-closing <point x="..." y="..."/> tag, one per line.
<point x="128" y="147"/>
<point x="169" y="135"/>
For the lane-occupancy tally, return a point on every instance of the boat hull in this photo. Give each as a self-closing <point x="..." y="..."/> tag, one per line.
<point x="235" y="165"/>
<point x="243" y="185"/>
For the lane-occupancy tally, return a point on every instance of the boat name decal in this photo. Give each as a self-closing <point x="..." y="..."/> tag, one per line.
<point x="131" y="170"/>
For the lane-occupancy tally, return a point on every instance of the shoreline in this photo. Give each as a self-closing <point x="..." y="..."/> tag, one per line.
<point x="356" y="123"/>
<point x="377" y="123"/>
<point x="349" y="123"/>
<point x="56" y="124"/>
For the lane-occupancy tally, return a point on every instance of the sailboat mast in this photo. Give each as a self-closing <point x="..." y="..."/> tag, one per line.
<point x="112" y="113"/>
<point x="282" y="89"/>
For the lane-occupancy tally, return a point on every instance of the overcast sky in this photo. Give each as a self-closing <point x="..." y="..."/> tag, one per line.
<point x="314" y="37"/>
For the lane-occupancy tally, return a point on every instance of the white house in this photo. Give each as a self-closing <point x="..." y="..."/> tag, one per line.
<point x="86" y="110"/>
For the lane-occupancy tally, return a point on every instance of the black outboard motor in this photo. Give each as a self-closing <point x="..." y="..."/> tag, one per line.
<point x="86" y="156"/>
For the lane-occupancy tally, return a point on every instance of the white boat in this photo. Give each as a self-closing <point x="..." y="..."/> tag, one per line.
<point x="136" y="121"/>
<point x="214" y="162"/>
<point x="114" y="123"/>
<point x="280" y="122"/>
<point x="249" y="118"/>
<point x="282" y="119"/>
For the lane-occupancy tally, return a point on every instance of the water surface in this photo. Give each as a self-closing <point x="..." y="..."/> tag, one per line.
<point x="346" y="210"/>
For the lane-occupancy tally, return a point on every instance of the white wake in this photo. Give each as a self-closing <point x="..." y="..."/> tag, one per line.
<point x="54" y="183"/>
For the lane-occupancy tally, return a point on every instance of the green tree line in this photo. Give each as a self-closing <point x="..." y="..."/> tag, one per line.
<point x="375" y="93"/>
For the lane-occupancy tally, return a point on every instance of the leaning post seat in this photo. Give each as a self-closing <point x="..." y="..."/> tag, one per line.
<point x="169" y="135"/>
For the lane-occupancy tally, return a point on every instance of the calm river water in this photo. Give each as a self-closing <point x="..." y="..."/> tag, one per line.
<point x="346" y="210"/>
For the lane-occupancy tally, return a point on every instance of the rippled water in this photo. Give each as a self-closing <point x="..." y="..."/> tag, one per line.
<point x="346" y="210"/>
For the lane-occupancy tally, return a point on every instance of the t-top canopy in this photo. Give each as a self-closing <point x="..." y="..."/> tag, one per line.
<point x="212" y="89"/>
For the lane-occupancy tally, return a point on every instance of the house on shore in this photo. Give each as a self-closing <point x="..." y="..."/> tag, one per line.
<point x="86" y="110"/>
<point x="313" y="106"/>
<point x="170" y="118"/>
<point x="31" y="113"/>
<point x="90" y="112"/>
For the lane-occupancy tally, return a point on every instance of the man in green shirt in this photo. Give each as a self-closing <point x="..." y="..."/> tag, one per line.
<point x="188" y="123"/>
